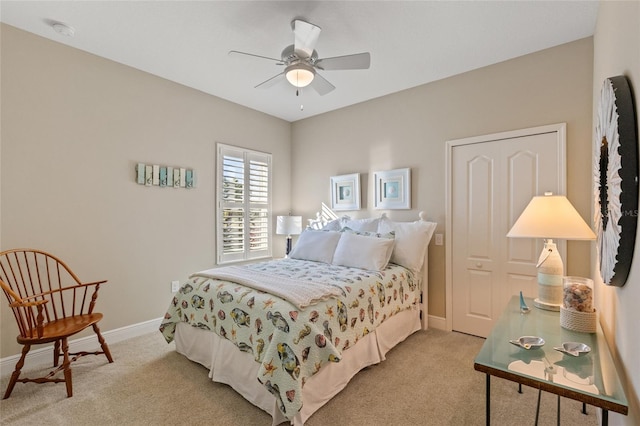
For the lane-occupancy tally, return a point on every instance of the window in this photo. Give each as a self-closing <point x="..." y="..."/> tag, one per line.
<point x="244" y="204"/>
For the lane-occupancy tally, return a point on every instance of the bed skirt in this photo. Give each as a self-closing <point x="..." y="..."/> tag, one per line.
<point x="239" y="370"/>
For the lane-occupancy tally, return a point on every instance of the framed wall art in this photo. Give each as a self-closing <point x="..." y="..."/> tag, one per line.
<point x="393" y="189"/>
<point x="615" y="167"/>
<point x="345" y="192"/>
<point x="165" y="176"/>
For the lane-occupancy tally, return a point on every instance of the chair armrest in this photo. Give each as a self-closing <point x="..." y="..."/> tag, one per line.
<point x="83" y="299"/>
<point x="30" y="320"/>
<point x="60" y="290"/>
<point x="94" y="296"/>
<point x="91" y="283"/>
<point x="23" y="304"/>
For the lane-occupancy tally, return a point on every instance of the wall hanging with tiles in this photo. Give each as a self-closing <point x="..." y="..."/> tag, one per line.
<point x="165" y="176"/>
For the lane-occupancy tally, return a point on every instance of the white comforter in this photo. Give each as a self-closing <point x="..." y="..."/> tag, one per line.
<point x="292" y="284"/>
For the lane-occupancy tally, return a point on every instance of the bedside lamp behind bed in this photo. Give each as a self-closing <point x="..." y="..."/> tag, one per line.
<point x="289" y="225"/>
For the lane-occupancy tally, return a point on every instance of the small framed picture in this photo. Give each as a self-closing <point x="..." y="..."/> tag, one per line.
<point x="345" y="192"/>
<point x="163" y="176"/>
<point x="140" y="172"/>
<point x="393" y="189"/>
<point x="148" y="175"/>
<point x="189" y="178"/>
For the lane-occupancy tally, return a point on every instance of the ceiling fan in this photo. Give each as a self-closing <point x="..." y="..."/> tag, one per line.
<point x="301" y="60"/>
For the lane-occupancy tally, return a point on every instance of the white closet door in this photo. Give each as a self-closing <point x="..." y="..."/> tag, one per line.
<point x="492" y="179"/>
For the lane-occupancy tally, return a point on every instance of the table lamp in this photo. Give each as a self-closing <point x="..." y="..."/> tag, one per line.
<point x="288" y="225"/>
<point x="550" y="217"/>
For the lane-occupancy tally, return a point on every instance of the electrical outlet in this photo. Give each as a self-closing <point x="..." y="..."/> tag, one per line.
<point x="175" y="286"/>
<point x="439" y="239"/>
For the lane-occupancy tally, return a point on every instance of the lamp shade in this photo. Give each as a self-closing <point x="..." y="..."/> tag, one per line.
<point x="300" y="75"/>
<point x="551" y="216"/>
<point x="288" y="225"/>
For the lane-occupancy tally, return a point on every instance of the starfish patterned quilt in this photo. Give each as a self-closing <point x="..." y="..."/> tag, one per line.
<point x="291" y="343"/>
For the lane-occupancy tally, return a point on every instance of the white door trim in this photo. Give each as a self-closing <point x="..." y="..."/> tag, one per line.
<point x="560" y="128"/>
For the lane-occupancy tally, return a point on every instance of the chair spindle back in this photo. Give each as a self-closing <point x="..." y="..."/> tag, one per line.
<point x="39" y="278"/>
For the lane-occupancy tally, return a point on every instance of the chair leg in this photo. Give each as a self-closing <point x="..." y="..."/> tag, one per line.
<point x="103" y="343"/>
<point x="66" y="366"/>
<point x="56" y="353"/>
<point x="16" y="372"/>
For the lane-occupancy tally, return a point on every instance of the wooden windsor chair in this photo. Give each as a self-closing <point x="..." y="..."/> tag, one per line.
<point x="50" y="304"/>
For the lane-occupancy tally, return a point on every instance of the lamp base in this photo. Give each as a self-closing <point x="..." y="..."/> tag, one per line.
<point x="546" y="306"/>
<point x="550" y="271"/>
<point x="288" y="249"/>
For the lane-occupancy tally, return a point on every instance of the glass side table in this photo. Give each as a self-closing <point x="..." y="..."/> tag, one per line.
<point x="590" y="378"/>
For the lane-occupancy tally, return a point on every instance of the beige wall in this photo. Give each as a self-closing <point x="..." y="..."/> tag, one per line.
<point x="410" y="128"/>
<point x="73" y="127"/>
<point x="617" y="52"/>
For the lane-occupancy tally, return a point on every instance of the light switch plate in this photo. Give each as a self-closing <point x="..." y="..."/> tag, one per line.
<point x="175" y="286"/>
<point x="439" y="239"/>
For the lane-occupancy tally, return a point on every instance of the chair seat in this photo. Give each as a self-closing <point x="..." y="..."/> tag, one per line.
<point x="64" y="327"/>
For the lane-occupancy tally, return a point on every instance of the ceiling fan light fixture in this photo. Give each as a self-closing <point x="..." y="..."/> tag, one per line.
<point x="300" y="74"/>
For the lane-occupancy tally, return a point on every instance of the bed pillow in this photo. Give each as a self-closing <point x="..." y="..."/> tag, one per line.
<point x="318" y="246"/>
<point x="335" y="224"/>
<point x="411" y="241"/>
<point x="362" y="225"/>
<point x="363" y="251"/>
<point x="391" y="234"/>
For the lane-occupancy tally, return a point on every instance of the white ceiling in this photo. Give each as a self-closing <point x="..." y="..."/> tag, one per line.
<point x="411" y="42"/>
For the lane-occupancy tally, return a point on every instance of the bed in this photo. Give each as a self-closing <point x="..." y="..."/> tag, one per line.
<point x="289" y="334"/>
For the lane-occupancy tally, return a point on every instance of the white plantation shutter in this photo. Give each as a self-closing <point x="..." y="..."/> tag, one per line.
<point x="244" y="204"/>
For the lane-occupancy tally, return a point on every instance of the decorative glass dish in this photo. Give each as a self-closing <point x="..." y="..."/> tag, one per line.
<point x="528" y="342"/>
<point x="573" y="348"/>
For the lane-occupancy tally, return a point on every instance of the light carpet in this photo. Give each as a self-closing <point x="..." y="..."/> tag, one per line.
<point x="427" y="380"/>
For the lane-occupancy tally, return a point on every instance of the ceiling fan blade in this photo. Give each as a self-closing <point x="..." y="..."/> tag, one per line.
<point x="270" y="82"/>
<point x="235" y="52"/>
<point x="358" y="61"/>
<point x="321" y="85"/>
<point x="305" y="38"/>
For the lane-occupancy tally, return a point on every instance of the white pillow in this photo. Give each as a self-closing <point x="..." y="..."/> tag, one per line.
<point x="364" y="252"/>
<point x="411" y="242"/>
<point x="318" y="246"/>
<point x="362" y="225"/>
<point x="334" y="225"/>
<point x="391" y="234"/>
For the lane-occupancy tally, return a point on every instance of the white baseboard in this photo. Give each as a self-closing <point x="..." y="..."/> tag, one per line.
<point x="44" y="355"/>
<point x="437" y="322"/>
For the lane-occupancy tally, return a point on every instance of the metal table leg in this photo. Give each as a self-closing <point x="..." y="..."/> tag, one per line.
<point x="488" y="401"/>
<point x="538" y="406"/>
